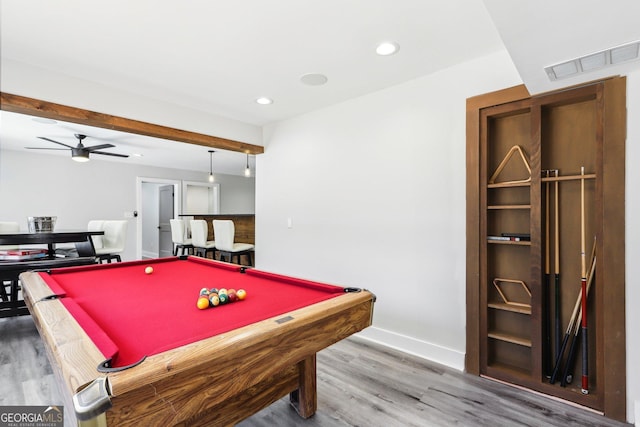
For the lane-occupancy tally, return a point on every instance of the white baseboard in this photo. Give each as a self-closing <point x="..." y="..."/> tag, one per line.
<point x="149" y="254"/>
<point x="433" y="352"/>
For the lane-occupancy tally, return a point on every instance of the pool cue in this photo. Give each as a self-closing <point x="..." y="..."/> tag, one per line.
<point x="583" y="286"/>
<point x="567" y="375"/>
<point x="567" y="335"/>
<point x="548" y="351"/>
<point x="558" y="308"/>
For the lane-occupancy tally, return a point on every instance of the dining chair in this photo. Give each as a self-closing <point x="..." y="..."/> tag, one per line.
<point x="7" y="227"/>
<point x="199" y="234"/>
<point x="109" y="246"/>
<point x="224" y="232"/>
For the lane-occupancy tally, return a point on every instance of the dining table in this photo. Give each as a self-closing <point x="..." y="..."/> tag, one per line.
<point x="11" y="303"/>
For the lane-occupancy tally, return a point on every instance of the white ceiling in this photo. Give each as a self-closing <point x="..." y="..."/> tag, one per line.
<point x="219" y="56"/>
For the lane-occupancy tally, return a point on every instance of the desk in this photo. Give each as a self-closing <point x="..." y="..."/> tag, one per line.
<point x="185" y="366"/>
<point x="10" y="270"/>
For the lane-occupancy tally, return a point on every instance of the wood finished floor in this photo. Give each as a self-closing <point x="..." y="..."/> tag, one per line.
<point x="359" y="384"/>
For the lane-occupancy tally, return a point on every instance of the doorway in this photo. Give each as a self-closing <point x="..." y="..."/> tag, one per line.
<point x="165" y="213"/>
<point x="153" y="239"/>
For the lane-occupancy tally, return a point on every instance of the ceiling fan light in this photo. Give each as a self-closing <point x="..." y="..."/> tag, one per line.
<point x="81" y="158"/>
<point x="79" y="155"/>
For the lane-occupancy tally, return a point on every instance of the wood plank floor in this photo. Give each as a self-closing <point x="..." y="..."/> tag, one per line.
<point x="359" y="384"/>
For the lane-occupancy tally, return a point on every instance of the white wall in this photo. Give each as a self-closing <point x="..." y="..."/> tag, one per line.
<point x="42" y="185"/>
<point x="375" y="188"/>
<point x="632" y="239"/>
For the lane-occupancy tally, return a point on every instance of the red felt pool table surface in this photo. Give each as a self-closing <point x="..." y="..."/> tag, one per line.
<point x="130" y="314"/>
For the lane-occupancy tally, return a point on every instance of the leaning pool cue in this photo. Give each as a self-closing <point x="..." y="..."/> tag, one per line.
<point x="565" y="340"/>
<point x="567" y="376"/>
<point x="558" y="309"/>
<point x="583" y="286"/>
<point x="548" y="351"/>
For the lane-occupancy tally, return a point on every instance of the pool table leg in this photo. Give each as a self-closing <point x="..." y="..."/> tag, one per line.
<point x="305" y="398"/>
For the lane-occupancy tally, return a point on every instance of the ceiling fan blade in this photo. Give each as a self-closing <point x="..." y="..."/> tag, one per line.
<point x="98" y="147"/>
<point x="55" y="142"/>
<point x="109" y="154"/>
<point x="45" y="148"/>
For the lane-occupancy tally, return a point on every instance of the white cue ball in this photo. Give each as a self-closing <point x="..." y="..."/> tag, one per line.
<point x="148" y="270"/>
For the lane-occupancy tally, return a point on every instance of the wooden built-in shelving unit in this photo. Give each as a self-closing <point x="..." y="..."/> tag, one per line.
<point x="513" y="139"/>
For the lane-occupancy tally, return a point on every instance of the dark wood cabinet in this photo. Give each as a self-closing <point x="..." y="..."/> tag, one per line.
<point x="545" y="190"/>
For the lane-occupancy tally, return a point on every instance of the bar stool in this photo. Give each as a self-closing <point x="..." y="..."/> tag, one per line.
<point x="224" y="231"/>
<point x="199" y="234"/>
<point x="178" y="235"/>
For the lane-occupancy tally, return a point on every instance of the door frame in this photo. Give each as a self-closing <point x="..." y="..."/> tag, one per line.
<point x="139" y="214"/>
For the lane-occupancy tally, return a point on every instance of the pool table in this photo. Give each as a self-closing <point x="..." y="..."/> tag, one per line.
<point x="131" y="348"/>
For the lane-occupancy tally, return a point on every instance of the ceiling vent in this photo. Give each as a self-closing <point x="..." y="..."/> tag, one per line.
<point x="594" y="61"/>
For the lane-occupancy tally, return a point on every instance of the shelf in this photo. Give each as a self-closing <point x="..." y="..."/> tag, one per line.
<point x="509" y="207"/>
<point x="509" y="307"/>
<point x="510" y="338"/>
<point x="510" y="242"/>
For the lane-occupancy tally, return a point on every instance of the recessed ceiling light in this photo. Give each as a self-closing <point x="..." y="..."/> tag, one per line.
<point x="314" y="79"/>
<point x="137" y="155"/>
<point x="44" y="120"/>
<point x="264" y="101"/>
<point x="387" y="48"/>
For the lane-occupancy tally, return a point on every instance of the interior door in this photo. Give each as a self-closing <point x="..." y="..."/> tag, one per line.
<point x="165" y="213"/>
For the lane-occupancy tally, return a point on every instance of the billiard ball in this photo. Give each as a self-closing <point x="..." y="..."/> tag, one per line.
<point x="232" y="296"/>
<point x="204" y="292"/>
<point x="203" y="302"/>
<point x="224" y="298"/>
<point x="148" y="270"/>
<point x="241" y="294"/>
<point x="214" y="301"/>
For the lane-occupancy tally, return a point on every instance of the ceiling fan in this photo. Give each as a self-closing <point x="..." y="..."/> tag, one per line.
<point x="80" y="153"/>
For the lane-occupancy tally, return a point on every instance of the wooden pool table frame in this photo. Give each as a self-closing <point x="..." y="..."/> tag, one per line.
<point x="217" y="381"/>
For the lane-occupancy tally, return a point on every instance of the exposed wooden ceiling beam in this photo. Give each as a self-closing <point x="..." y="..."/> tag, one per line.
<point x="50" y="110"/>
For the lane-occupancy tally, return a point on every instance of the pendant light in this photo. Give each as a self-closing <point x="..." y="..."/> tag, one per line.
<point x="211" y="178"/>
<point x="247" y="171"/>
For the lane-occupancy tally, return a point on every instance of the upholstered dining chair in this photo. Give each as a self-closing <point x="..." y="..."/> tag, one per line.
<point x="224" y="232"/>
<point x="7" y="227"/>
<point x="110" y="245"/>
<point x="179" y="237"/>
<point x="199" y="234"/>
